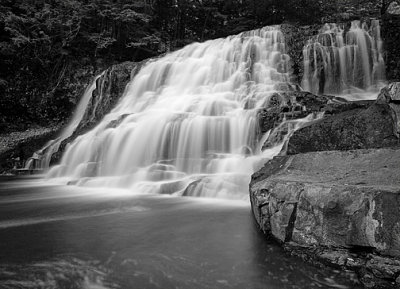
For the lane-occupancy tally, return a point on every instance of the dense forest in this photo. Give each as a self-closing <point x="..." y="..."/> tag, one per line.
<point x="48" y="48"/>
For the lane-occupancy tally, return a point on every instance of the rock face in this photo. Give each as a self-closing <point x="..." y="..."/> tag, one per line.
<point x="317" y="189"/>
<point x="23" y="144"/>
<point x="291" y="105"/>
<point x="353" y="126"/>
<point x="335" y="200"/>
<point x="109" y="88"/>
<point x="353" y="129"/>
<point x="391" y="96"/>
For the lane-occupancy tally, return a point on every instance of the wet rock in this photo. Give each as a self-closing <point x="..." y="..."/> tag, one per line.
<point x="361" y="185"/>
<point x="269" y="118"/>
<point x="118" y="121"/>
<point x="289" y="105"/>
<point x="23" y="144"/>
<point x="340" y="207"/>
<point x="109" y="88"/>
<point x="358" y="128"/>
<point x="299" y="104"/>
<point x="353" y="125"/>
<point x="391" y="95"/>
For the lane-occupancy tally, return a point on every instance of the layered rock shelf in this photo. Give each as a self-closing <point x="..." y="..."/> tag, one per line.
<point x="335" y="198"/>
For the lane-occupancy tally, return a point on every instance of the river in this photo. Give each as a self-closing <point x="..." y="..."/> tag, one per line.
<point x="54" y="236"/>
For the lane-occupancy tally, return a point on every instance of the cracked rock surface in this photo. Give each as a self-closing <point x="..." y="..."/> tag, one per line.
<point x="344" y="203"/>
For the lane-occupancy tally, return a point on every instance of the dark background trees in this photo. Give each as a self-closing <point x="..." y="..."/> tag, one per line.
<point x="49" y="49"/>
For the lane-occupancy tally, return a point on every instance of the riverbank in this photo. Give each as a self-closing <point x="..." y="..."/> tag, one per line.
<point x="16" y="147"/>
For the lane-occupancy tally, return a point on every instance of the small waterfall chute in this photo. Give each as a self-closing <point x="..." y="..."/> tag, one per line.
<point x="40" y="160"/>
<point x="344" y="62"/>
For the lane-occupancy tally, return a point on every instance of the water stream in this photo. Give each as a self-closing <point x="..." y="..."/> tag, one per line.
<point x="68" y="237"/>
<point x="41" y="158"/>
<point x="187" y="123"/>
<point x="345" y="62"/>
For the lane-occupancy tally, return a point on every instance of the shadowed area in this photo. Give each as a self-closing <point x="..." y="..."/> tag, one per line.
<point x="69" y="237"/>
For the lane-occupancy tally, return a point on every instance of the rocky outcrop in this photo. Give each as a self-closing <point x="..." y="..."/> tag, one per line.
<point x="353" y="127"/>
<point x="296" y="37"/>
<point x="15" y="147"/>
<point x="292" y="105"/>
<point x="109" y="88"/>
<point x="335" y="198"/>
<point x="333" y="205"/>
<point x="391" y="95"/>
<point x="289" y="105"/>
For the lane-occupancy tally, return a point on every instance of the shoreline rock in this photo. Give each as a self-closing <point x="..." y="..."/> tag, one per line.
<point x="335" y="198"/>
<point x="339" y="208"/>
<point x="23" y="144"/>
<point x="353" y="129"/>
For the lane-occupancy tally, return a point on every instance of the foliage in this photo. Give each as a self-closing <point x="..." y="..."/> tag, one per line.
<point x="43" y="43"/>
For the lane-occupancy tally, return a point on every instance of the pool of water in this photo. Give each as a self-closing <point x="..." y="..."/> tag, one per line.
<point x="54" y="236"/>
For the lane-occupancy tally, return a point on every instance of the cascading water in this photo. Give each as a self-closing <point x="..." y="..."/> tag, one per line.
<point x="41" y="158"/>
<point x="187" y="122"/>
<point x="348" y="63"/>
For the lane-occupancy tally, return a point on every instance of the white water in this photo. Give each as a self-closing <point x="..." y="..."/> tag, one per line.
<point x="182" y="126"/>
<point x="347" y="63"/>
<point x="41" y="158"/>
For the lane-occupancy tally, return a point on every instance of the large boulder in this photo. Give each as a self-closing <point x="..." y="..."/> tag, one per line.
<point x="377" y="126"/>
<point x="346" y="203"/>
<point x="289" y="105"/>
<point x="391" y="95"/>
<point x="292" y="105"/>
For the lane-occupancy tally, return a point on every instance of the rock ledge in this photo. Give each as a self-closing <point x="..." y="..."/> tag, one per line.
<point x="336" y="207"/>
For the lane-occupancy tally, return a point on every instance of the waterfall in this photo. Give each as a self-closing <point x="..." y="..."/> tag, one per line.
<point x="347" y="63"/>
<point x="187" y="122"/>
<point x="40" y="159"/>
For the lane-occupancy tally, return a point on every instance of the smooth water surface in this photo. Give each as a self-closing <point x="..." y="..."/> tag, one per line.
<point x="69" y="237"/>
